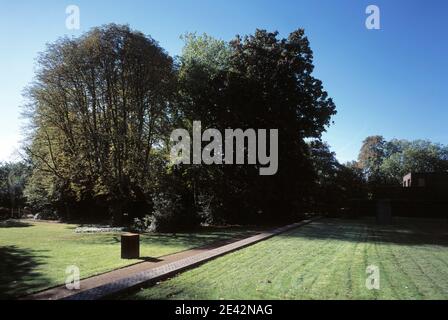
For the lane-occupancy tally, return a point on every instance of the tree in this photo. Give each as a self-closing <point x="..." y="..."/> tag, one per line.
<point x="262" y="82"/>
<point x="103" y="105"/>
<point x="386" y="162"/>
<point x="13" y="177"/>
<point x="336" y="183"/>
<point x="413" y="156"/>
<point x="371" y="156"/>
<point x="99" y="113"/>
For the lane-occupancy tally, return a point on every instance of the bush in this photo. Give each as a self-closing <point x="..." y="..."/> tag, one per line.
<point x="5" y="213"/>
<point x="142" y="224"/>
<point x="47" y="215"/>
<point x="173" y="212"/>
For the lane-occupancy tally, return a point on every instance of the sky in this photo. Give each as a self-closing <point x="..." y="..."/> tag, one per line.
<point x="392" y="81"/>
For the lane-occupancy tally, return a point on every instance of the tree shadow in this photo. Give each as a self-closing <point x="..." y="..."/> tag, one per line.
<point x="186" y="240"/>
<point x="195" y="239"/>
<point x="18" y="275"/>
<point x="404" y="231"/>
<point x="14" y="224"/>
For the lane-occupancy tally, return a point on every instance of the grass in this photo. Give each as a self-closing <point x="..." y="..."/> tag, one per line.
<point x="35" y="255"/>
<point x="324" y="260"/>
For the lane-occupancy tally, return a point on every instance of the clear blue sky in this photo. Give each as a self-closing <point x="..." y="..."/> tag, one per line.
<point x="391" y="81"/>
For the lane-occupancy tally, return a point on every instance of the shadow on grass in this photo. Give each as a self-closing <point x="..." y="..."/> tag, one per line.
<point x="194" y="240"/>
<point x="186" y="240"/>
<point x="18" y="275"/>
<point x="14" y="224"/>
<point x="403" y="232"/>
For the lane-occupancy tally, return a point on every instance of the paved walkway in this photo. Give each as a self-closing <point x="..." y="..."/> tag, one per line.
<point x="113" y="282"/>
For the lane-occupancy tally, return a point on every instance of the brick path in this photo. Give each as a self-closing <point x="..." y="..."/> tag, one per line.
<point x="113" y="282"/>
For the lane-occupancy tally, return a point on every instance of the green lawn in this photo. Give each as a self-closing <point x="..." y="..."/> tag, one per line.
<point x="34" y="255"/>
<point x="324" y="260"/>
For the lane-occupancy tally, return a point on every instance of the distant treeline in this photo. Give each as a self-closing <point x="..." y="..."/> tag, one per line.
<point x="387" y="162"/>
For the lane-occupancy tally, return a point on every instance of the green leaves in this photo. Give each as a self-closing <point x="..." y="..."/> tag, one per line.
<point x="104" y="104"/>
<point x="100" y="108"/>
<point x="388" y="161"/>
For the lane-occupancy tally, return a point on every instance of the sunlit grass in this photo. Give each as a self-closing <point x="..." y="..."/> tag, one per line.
<point x="324" y="260"/>
<point x="35" y="255"/>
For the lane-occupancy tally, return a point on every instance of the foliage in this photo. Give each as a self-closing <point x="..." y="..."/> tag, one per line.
<point x="103" y="105"/>
<point x="142" y="224"/>
<point x="98" y="111"/>
<point x="371" y="156"/>
<point x="174" y="204"/>
<point x="336" y="183"/>
<point x="13" y="177"/>
<point x="413" y="156"/>
<point x="262" y="82"/>
<point x="386" y="162"/>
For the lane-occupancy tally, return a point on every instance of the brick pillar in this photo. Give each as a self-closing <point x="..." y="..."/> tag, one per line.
<point x="130" y="246"/>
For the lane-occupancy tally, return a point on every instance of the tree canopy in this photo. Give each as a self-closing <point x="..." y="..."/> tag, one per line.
<point x="102" y="107"/>
<point x="386" y="162"/>
<point x="99" y="108"/>
<point x="261" y="81"/>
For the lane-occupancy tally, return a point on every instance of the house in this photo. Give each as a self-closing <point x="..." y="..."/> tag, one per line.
<point x="426" y="179"/>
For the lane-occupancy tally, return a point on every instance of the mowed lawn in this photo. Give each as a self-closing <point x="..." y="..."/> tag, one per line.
<point x="35" y="255"/>
<point x="324" y="260"/>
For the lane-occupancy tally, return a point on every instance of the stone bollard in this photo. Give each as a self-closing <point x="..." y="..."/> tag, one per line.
<point x="130" y="246"/>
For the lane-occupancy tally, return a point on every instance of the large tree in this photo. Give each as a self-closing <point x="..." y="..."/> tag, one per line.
<point x="98" y="109"/>
<point x="371" y="156"/>
<point x="262" y="81"/>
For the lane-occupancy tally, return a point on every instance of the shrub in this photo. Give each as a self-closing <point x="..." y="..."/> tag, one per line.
<point x="142" y="224"/>
<point x="173" y="212"/>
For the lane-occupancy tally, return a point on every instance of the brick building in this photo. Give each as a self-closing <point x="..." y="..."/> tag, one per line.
<point x="431" y="179"/>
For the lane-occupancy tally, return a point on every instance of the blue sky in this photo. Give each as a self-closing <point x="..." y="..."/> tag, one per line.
<point x="391" y="81"/>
